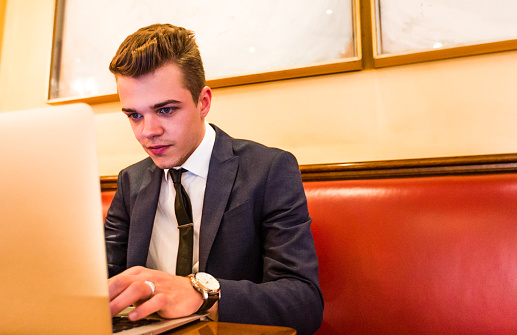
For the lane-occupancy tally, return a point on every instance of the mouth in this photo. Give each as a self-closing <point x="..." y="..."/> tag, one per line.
<point x="158" y="149"/>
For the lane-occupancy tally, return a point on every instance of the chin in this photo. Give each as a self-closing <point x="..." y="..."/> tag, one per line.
<point x="163" y="163"/>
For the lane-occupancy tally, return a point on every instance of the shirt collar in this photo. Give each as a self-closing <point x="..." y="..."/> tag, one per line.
<point x="199" y="160"/>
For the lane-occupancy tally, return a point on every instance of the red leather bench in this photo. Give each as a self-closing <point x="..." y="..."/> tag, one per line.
<point x="416" y="246"/>
<point x="107" y="195"/>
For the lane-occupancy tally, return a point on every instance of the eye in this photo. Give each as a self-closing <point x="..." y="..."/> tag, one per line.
<point x="167" y="110"/>
<point x="134" y="116"/>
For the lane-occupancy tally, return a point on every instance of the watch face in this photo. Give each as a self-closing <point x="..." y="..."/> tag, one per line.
<point x="207" y="281"/>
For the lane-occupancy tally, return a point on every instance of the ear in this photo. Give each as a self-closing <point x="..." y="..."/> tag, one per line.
<point x="205" y="101"/>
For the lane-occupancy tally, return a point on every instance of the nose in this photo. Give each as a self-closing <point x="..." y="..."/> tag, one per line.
<point x="151" y="126"/>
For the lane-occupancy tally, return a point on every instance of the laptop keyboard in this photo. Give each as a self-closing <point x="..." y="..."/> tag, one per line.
<point x="121" y="323"/>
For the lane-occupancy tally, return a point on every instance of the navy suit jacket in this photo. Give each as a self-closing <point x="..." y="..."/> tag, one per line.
<point x="255" y="235"/>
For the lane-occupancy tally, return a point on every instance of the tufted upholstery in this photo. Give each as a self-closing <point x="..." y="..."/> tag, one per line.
<point x="427" y="255"/>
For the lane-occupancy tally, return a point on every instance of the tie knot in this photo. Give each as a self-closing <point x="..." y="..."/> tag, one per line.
<point x="176" y="175"/>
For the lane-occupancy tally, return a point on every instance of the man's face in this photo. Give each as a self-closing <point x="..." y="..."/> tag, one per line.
<point x="165" y="120"/>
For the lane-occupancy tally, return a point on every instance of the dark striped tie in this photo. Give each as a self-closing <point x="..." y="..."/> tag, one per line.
<point x="183" y="210"/>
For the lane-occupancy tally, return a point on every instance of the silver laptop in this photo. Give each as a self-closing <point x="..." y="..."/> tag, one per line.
<point x="52" y="258"/>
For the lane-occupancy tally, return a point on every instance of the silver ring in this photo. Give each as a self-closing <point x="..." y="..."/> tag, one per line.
<point x="152" y="286"/>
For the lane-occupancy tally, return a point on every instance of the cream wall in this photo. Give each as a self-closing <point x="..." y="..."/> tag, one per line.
<point x="460" y="106"/>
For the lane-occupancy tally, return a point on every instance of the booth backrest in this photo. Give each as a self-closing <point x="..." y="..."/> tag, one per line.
<point x="107" y="196"/>
<point x="429" y="255"/>
<point x="414" y="246"/>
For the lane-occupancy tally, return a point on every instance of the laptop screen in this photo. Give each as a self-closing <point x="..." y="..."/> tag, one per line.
<point x="54" y="277"/>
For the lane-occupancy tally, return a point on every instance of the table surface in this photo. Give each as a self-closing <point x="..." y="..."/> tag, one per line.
<point x="223" y="328"/>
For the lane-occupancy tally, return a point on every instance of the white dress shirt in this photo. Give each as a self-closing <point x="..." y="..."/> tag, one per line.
<point x="163" y="250"/>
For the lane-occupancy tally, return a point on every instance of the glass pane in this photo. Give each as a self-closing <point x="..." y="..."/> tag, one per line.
<point x="235" y="37"/>
<point x="417" y="25"/>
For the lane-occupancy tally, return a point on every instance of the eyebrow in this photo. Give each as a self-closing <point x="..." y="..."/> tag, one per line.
<point x="158" y="105"/>
<point x="165" y="103"/>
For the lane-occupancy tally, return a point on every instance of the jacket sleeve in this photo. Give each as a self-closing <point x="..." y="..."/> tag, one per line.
<point x="289" y="292"/>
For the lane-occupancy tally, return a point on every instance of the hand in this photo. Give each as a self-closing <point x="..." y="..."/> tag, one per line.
<point x="174" y="296"/>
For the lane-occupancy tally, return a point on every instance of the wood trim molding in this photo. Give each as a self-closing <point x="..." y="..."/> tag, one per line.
<point x="108" y="183"/>
<point x="3" y="6"/>
<point x="445" y="53"/>
<point x="402" y="168"/>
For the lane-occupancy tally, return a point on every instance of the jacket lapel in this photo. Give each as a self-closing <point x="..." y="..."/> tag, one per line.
<point x="142" y="217"/>
<point x="221" y="175"/>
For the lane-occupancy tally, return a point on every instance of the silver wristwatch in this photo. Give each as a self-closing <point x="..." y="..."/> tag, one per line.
<point x="208" y="287"/>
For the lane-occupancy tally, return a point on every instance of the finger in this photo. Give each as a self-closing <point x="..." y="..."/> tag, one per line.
<point x="136" y="292"/>
<point x="118" y="284"/>
<point x="146" y="308"/>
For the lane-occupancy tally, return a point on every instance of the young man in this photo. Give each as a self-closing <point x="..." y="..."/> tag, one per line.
<point x="251" y="243"/>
